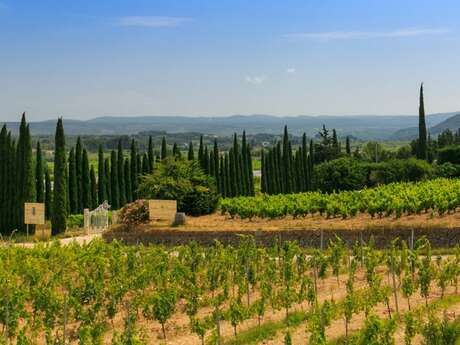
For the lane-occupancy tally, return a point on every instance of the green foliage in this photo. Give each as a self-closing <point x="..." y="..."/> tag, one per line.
<point x="399" y="171"/>
<point x="59" y="207"/>
<point x="449" y="154"/>
<point x="184" y="181"/>
<point x="440" y="195"/>
<point x="340" y="174"/>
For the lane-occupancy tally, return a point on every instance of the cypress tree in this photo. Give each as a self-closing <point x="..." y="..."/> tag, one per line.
<point x="228" y="182"/>
<point x="347" y="146"/>
<point x="422" y="132"/>
<point x="25" y="182"/>
<point x="305" y="162"/>
<point x="222" y="190"/>
<point x="114" y="181"/>
<point x="11" y="179"/>
<point x="121" y="175"/>
<point x="107" y="180"/>
<point x="39" y="179"/>
<point x="48" y="195"/>
<point x="335" y="142"/>
<point x="59" y="207"/>
<point x="286" y="163"/>
<point x="92" y="175"/>
<point x="191" y="154"/>
<point x="215" y="153"/>
<point x="151" y="155"/>
<point x="164" y="148"/>
<point x="128" y="191"/>
<point x="134" y="169"/>
<point x="250" y="173"/>
<point x="85" y="180"/>
<point x="176" y="151"/>
<point x="201" y="153"/>
<point x="101" y="184"/>
<point x="79" y="169"/>
<point x="205" y="165"/>
<point x="72" y="184"/>
<point x="145" y="164"/>
<point x="3" y="186"/>
<point x="244" y="166"/>
<point x="263" y="173"/>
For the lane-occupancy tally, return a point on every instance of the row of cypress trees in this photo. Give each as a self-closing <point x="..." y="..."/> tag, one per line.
<point x="232" y="170"/>
<point x="284" y="171"/>
<point x="17" y="177"/>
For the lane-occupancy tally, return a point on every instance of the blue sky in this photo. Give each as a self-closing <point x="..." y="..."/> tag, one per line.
<point x="87" y="58"/>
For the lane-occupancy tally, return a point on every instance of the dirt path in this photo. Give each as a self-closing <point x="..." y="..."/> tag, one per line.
<point x="64" y="241"/>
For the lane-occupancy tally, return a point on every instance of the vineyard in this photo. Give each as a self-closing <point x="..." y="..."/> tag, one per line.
<point x="438" y="196"/>
<point x="102" y="293"/>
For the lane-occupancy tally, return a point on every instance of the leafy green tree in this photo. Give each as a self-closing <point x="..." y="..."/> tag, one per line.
<point x="184" y="181"/>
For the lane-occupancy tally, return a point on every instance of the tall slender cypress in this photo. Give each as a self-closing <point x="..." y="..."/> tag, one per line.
<point x="107" y="180"/>
<point x="151" y="155"/>
<point x="191" y="154"/>
<point x="39" y="178"/>
<point x="59" y="208"/>
<point x="4" y="168"/>
<point x="93" y="188"/>
<point x="164" y="148"/>
<point x="101" y="183"/>
<point x="134" y="169"/>
<point x="145" y="164"/>
<point x="201" y="153"/>
<point x="72" y="184"/>
<point x="85" y="181"/>
<point x="128" y="191"/>
<point x="121" y="175"/>
<point x="422" y="152"/>
<point x="348" y="146"/>
<point x="286" y="163"/>
<point x="24" y="171"/>
<point x="48" y="195"/>
<point x="114" y="181"/>
<point x="79" y="169"/>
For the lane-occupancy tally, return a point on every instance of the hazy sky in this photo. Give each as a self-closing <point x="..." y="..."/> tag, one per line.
<point x="87" y="58"/>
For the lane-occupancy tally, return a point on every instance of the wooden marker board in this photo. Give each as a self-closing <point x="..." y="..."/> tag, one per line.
<point x="162" y="210"/>
<point x="34" y="213"/>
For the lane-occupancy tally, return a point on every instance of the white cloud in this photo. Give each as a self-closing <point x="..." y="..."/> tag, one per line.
<point x="256" y="79"/>
<point x="152" y="21"/>
<point x="291" y="70"/>
<point x="346" y="35"/>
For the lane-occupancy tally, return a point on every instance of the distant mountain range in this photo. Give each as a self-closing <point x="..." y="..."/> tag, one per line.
<point x="365" y="127"/>
<point x="452" y="123"/>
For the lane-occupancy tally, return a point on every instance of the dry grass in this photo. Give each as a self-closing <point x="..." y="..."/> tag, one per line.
<point x="216" y="222"/>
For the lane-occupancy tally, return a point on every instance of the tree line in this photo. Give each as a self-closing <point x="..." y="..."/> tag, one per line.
<point x="76" y="184"/>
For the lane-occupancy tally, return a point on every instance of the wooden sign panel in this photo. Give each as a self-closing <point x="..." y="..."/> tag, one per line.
<point x="162" y="209"/>
<point x="34" y="213"/>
